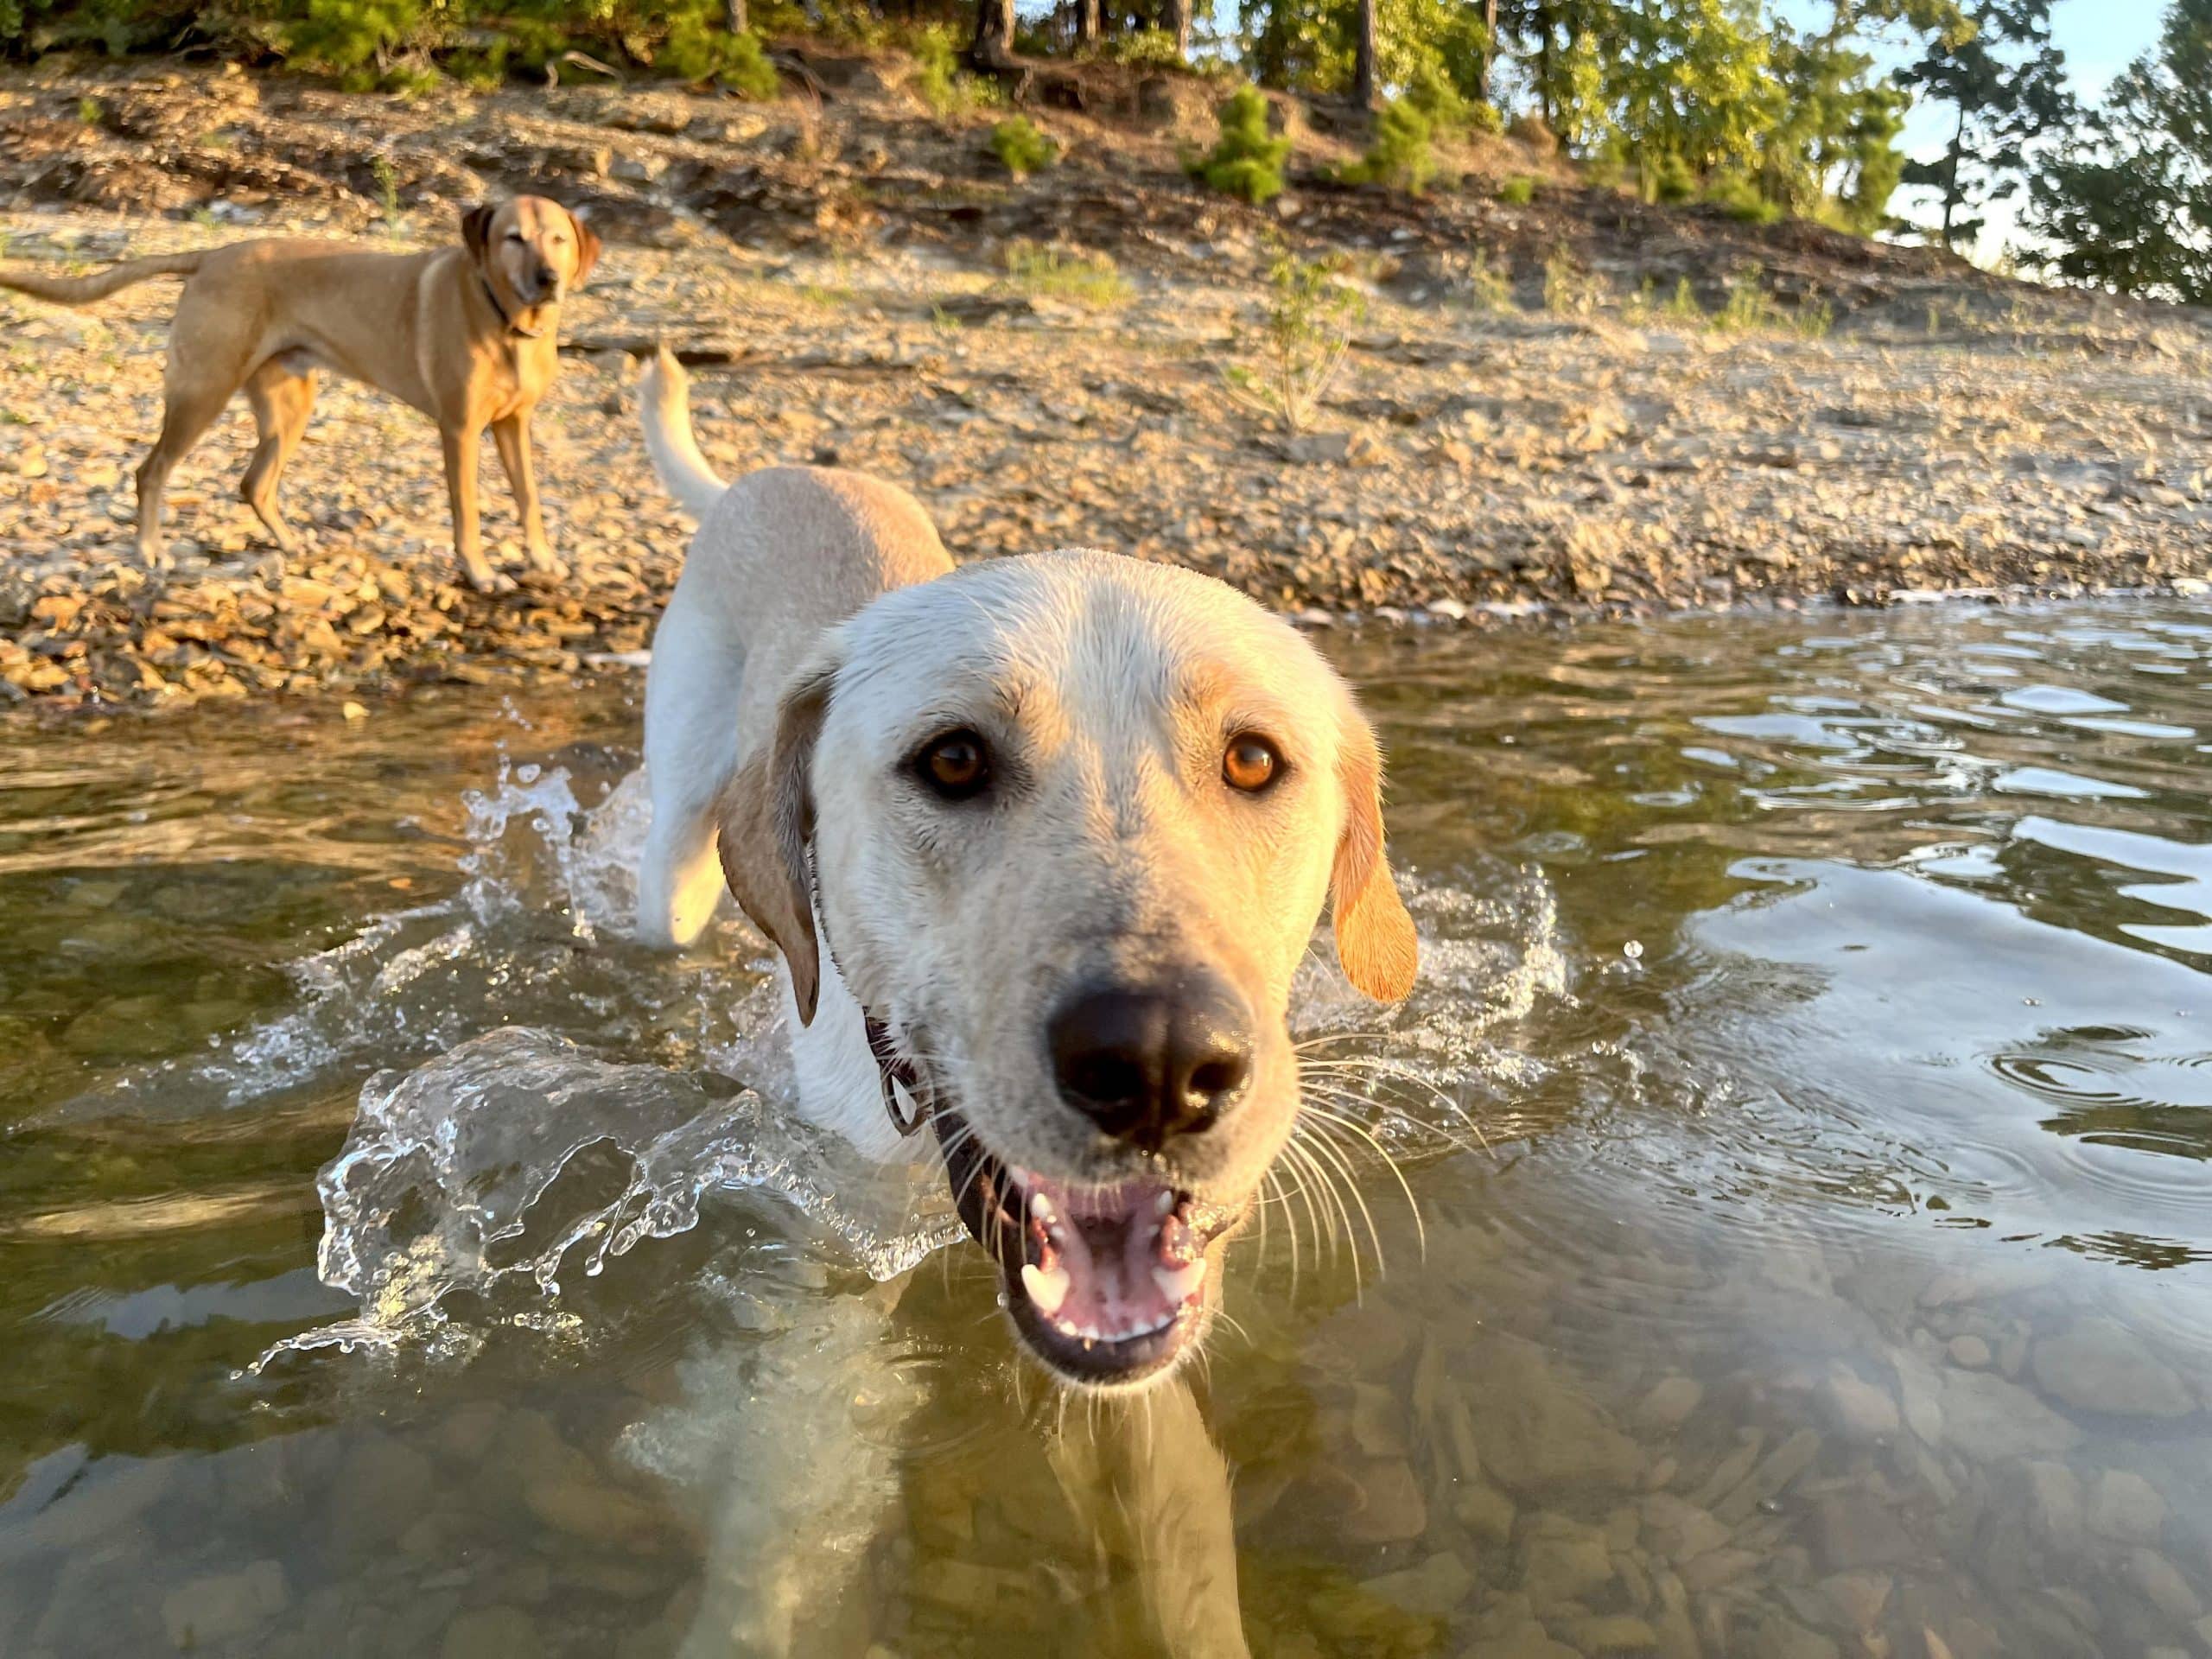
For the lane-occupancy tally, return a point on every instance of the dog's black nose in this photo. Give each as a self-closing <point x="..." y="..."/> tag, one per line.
<point x="543" y="279"/>
<point x="1149" y="1063"/>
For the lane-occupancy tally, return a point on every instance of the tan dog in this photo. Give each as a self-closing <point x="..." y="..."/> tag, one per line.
<point x="1040" y="842"/>
<point x="466" y="335"/>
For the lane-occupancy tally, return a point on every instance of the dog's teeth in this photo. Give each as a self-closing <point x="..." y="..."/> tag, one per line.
<point x="1179" y="1284"/>
<point x="1041" y="1207"/>
<point x="1163" y="1203"/>
<point x="1047" y="1286"/>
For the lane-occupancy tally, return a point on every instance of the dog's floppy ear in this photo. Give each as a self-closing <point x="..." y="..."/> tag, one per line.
<point x="476" y="231"/>
<point x="587" y="246"/>
<point x="766" y="814"/>
<point x="1375" y="937"/>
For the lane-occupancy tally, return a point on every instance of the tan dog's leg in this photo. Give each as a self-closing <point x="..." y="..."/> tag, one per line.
<point x="512" y="435"/>
<point x="281" y="402"/>
<point x="190" y="409"/>
<point x="461" y="448"/>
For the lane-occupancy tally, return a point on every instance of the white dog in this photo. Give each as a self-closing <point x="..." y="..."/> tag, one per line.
<point x="1040" y="842"/>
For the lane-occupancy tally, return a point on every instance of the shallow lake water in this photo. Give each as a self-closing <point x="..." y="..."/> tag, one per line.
<point x="1804" y="1244"/>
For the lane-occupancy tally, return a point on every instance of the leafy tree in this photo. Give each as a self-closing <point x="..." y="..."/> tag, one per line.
<point x="2007" y="83"/>
<point x="2128" y="204"/>
<point x="1833" y="154"/>
<point x="1721" y="98"/>
<point x="1312" y="45"/>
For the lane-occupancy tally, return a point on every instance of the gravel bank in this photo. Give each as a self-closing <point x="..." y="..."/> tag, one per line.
<point x="1473" y="461"/>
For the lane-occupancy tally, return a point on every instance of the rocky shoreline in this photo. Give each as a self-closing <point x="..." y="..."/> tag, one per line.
<point x="1514" y="432"/>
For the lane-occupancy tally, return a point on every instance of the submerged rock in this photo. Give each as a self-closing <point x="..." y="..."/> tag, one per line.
<point x="2099" y="1365"/>
<point x="222" y="1607"/>
<point x="1538" y="1431"/>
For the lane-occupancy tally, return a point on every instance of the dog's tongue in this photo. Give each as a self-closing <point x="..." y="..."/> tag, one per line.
<point x="1108" y="1263"/>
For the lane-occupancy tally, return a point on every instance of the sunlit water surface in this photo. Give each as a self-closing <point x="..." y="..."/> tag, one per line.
<point x="1807" y="1110"/>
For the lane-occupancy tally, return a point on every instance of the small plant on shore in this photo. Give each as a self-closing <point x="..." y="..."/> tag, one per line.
<point x="1091" y="279"/>
<point x="1667" y="179"/>
<point x="1435" y="97"/>
<point x="1749" y="308"/>
<point x="387" y="180"/>
<point x="1247" y="160"/>
<point x="1490" y="283"/>
<point x="947" y="89"/>
<point x="480" y="71"/>
<point x="1400" y="156"/>
<point x="1738" y="197"/>
<point x="1518" y="191"/>
<point x="1021" y="149"/>
<point x="89" y="111"/>
<point x="1569" y="290"/>
<point x="1311" y="314"/>
<point x="699" y="50"/>
<point x="1683" y="307"/>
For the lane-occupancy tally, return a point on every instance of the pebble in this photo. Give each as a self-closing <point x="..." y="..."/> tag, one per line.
<point x="1864" y="1411"/>
<point x="1969" y="1352"/>
<point x="1670" y="1402"/>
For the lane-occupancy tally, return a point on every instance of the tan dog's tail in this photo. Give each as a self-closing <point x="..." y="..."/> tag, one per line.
<point x="83" y="291"/>
<point x="664" y="411"/>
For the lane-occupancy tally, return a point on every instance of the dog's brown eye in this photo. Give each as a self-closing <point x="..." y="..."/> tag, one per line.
<point x="957" y="765"/>
<point x="1250" y="763"/>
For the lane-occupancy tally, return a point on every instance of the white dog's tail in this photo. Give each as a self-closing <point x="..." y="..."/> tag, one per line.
<point x="664" y="411"/>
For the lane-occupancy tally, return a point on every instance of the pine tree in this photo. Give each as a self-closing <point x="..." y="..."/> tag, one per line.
<point x="2128" y="203"/>
<point x="2008" y="84"/>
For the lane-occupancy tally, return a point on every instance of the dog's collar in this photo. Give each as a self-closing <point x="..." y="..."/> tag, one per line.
<point x="902" y="1079"/>
<point x="511" y="325"/>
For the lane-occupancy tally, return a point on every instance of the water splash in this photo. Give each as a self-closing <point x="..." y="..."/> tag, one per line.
<point x="449" y="1169"/>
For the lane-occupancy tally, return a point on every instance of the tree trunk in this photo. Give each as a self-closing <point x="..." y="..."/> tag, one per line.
<point x="733" y="17"/>
<point x="1951" y="178"/>
<point x="1490" y="52"/>
<point x="1087" y="29"/>
<point x="1544" y="70"/>
<point x="993" y="33"/>
<point x="1363" y="63"/>
<point x="1175" y="18"/>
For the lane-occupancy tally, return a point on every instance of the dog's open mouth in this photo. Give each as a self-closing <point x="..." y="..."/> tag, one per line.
<point x="1106" y="1283"/>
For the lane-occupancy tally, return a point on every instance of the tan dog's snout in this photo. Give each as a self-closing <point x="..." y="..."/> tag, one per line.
<point x="1151" y="1062"/>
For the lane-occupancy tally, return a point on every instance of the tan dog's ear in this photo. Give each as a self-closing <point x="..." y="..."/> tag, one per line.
<point x="587" y="248"/>
<point x="1375" y="937"/>
<point x="767" y="819"/>
<point x="476" y="231"/>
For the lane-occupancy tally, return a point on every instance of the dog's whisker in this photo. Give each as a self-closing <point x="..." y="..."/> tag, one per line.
<point x="1434" y="1095"/>
<point x="1309" y="1178"/>
<point x="1328" y="1163"/>
<point x="1389" y="1112"/>
<point x="1290" y="1223"/>
<point x="1318" y="1140"/>
<point x="1325" y="1117"/>
<point x="1327" y="1038"/>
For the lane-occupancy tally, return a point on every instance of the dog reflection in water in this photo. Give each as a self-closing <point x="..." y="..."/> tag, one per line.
<point x="804" y="1458"/>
